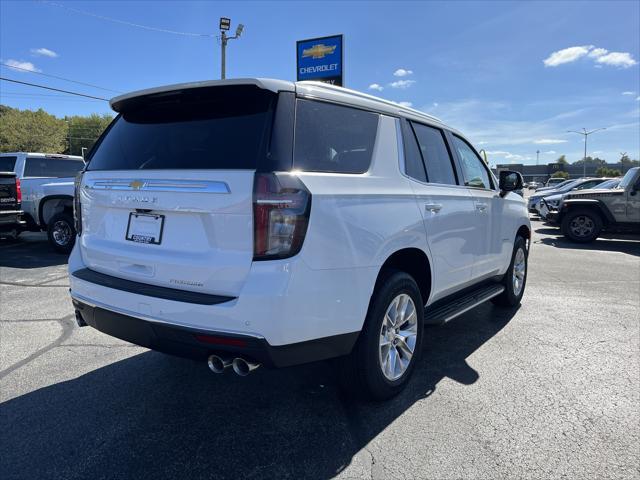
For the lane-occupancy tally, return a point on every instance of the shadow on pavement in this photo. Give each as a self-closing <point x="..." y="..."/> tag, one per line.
<point x="623" y="243"/>
<point x="30" y="250"/>
<point x="155" y="416"/>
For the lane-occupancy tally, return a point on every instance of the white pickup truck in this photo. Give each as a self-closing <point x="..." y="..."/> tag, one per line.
<point x="47" y="186"/>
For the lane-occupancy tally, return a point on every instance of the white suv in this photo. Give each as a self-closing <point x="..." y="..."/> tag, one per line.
<point x="254" y="221"/>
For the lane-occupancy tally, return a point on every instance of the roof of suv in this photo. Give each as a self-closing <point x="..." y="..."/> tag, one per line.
<point x="318" y="90"/>
<point x="59" y="156"/>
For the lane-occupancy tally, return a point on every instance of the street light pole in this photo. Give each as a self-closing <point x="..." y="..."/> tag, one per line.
<point x="586" y="135"/>
<point x="225" y="24"/>
<point x="537" y="157"/>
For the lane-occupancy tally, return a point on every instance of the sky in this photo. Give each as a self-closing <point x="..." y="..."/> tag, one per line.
<point x="512" y="76"/>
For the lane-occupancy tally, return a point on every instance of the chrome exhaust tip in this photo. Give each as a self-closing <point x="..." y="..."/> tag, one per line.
<point x="218" y="364"/>
<point x="244" y="367"/>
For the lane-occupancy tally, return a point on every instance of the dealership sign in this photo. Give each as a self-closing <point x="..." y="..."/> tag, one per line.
<point x="320" y="59"/>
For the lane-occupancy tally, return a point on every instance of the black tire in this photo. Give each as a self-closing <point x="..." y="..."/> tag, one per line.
<point x="511" y="298"/>
<point x="361" y="372"/>
<point x="582" y="225"/>
<point x="61" y="232"/>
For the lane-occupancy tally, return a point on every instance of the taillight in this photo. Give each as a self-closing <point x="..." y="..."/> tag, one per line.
<point x="18" y="191"/>
<point x="281" y="207"/>
<point x="77" y="209"/>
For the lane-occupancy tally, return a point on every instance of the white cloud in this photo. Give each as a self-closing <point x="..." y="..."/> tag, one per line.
<point x="550" y="152"/>
<point x="401" y="72"/>
<point x="43" y="52"/>
<point x="549" y="141"/>
<point x="21" y="66"/>
<point x="601" y="56"/>
<point x="566" y="55"/>
<point x="405" y="104"/>
<point x="375" y="86"/>
<point x="402" y="83"/>
<point x="617" y="59"/>
<point x="435" y="104"/>
<point x="628" y="93"/>
<point x="598" y="52"/>
<point x="638" y="98"/>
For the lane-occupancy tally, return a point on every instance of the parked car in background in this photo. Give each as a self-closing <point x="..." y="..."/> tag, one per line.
<point x="47" y="193"/>
<point x="554" y="181"/>
<point x="11" y="221"/>
<point x="256" y="221"/>
<point x="533" y="185"/>
<point x="559" y="185"/>
<point x="584" y="214"/>
<point x="549" y="205"/>
<point x="534" y="202"/>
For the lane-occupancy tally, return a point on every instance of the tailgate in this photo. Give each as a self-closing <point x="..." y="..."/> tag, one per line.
<point x="8" y="194"/>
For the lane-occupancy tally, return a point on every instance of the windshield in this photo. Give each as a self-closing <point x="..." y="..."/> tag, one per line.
<point x="216" y="128"/>
<point x="626" y="180"/>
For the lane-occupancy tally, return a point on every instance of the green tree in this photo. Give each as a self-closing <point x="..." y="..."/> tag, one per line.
<point x="591" y="162"/>
<point x="626" y="163"/>
<point x="29" y="131"/>
<point x="562" y="159"/>
<point x="84" y="131"/>
<point x="607" y="172"/>
<point x="560" y="174"/>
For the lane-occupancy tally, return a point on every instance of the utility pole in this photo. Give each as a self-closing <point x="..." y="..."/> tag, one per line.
<point x="225" y="25"/>
<point x="537" y="157"/>
<point x="586" y="135"/>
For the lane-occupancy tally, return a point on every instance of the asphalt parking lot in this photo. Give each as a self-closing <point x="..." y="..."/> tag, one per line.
<point x="549" y="390"/>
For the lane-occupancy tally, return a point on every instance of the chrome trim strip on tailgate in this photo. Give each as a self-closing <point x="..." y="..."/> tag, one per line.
<point x="135" y="185"/>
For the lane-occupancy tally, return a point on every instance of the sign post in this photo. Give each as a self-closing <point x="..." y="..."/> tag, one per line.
<point x="320" y="59"/>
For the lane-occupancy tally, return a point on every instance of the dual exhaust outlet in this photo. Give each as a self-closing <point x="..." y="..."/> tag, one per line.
<point x="242" y="367"/>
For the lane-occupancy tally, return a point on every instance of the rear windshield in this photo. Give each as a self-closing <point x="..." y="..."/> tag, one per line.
<point x="52" y="167"/>
<point x="7" y="164"/>
<point x="207" y="128"/>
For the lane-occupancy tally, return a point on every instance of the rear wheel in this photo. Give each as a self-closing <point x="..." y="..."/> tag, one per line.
<point x="386" y="352"/>
<point x="516" y="277"/>
<point x="61" y="232"/>
<point x="582" y="225"/>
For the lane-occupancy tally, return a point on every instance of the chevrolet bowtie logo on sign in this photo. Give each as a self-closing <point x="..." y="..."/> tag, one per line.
<point x="318" y="51"/>
<point x="320" y="59"/>
<point x="136" y="184"/>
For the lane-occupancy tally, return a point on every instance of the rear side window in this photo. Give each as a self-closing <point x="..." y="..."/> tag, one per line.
<point x="435" y="153"/>
<point x="7" y="164"/>
<point x="413" y="165"/>
<point x="333" y="138"/>
<point x="52" y="167"/>
<point x="206" y="128"/>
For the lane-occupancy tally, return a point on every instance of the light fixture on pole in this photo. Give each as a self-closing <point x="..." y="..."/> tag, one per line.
<point x="586" y="135"/>
<point x="225" y="25"/>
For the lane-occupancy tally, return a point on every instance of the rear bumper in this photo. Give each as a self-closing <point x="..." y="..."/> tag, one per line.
<point x="199" y="344"/>
<point x="11" y="220"/>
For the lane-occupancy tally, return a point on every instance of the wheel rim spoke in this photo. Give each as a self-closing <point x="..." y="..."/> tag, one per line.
<point x="398" y="335"/>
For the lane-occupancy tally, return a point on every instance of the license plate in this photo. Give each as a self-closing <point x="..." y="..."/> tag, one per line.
<point x="145" y="228"/>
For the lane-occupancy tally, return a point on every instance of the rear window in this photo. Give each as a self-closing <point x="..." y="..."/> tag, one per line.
<point x="435" y="154"/>
<point x="52" y="167"/>
<point x="333" y="138"/>
<point x="7" y="164"/>
<point x="208" y="128"/>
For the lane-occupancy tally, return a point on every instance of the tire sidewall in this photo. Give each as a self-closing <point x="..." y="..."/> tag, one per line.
<point x="514" y="299"/>
<point x="394" y="285"/>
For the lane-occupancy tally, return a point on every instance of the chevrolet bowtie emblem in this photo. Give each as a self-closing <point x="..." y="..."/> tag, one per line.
<point x="137" y="184"/>
<point x="320" y="50"/>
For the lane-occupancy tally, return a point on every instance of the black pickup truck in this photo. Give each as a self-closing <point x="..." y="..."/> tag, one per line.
<point x="11" y="221"/>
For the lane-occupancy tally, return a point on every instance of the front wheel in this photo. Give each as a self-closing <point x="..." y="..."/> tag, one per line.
<point x="385" y="355"/>
<point x="516" y="277"/>
<point x="582" y="226"/>
<point x="61" y="232"/>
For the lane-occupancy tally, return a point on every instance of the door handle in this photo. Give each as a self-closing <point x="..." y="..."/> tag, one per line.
<point x="433" y="207"/>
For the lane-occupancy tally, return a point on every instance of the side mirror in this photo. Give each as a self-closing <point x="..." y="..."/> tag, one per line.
<point x="510" y="181"/>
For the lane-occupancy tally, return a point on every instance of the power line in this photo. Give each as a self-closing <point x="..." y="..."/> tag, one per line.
<point x="60" y="78"/>
<point x="130" y="24"/>
<point x="54" y="89"/>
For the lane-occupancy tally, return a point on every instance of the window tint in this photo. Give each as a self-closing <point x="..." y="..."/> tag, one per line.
<point x="333" y="138"/>
<point x="413" y="165"/>
<point x="52" y="167"/>
<point x="435" y="154"/>
<point x="473" y="168"/>
<point x="589" y="184"/>
<point x="206" y="128"/>
<point x="7" y="164"/>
